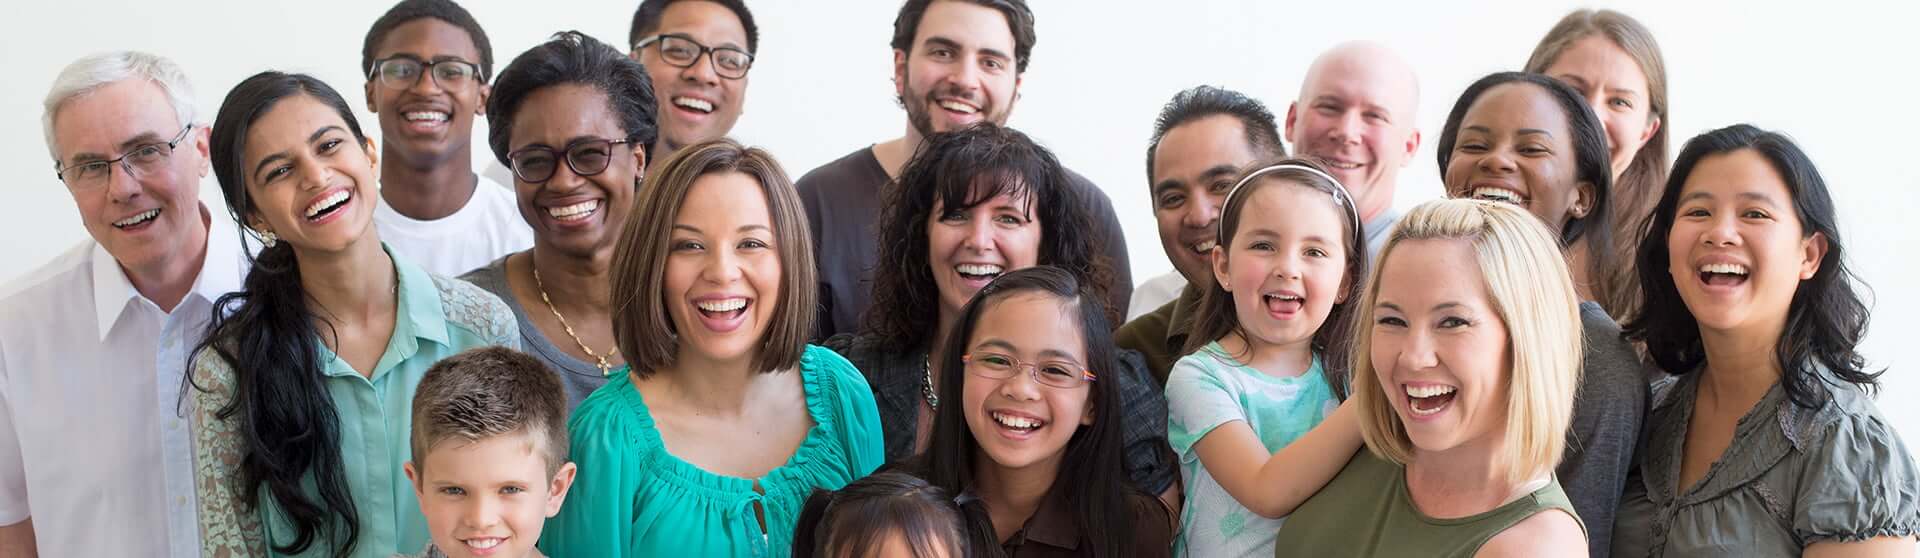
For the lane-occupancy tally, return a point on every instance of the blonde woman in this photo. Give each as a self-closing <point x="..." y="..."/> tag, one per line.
<point x="1464" y="372"/>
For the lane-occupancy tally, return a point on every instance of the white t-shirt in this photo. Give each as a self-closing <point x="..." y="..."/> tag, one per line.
<point x="93" y="446"/>
<point x="488" y="227"/>
<point x="1154" y="293"/>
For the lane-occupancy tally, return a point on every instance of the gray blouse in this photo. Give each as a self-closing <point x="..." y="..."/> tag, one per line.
<point x="1791" y="477"/>
<point x="578" y="377"/>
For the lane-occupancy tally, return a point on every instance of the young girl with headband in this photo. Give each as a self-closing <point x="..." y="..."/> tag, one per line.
<point x="1266" y="359"/>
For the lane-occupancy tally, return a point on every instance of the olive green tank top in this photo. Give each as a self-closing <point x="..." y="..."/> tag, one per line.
<point x="1366" y="511"/>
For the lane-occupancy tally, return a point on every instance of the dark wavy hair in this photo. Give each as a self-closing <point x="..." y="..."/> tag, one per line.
<point x="1097" y="488"/>
<point x="959" y="170"/>
<point x="572" y="57"/>
<point x="287" y="424"/>
<point x="443" y="10"/>
<point x="1591" y="162"/>
<point x="1216" y="317"/>
<point x="1262" y="133"/>
<point x="906" y="26"/>
<point x="646" y="19"/>
<point x="1826" y="319"/>
<point x="856" y="519"/>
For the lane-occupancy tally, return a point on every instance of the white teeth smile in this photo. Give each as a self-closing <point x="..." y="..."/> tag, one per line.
<point x="958" y="107"/>
<point x="326" y="203"/>
<point x="978" y="269"/>
<point x="425" y="116"/>
<point x="692" y="103"/>
<point x="1204" y="246"/>
<point x="1285" y="297"/>
<point x="727" y="305"/>
<point x="1497" y="194"/>
<point x="143" y="217"/>
<point x="1428" y="391"/>
<point x="574" y="212"/>
<point x="1018" y="423"/>
<point x="486" y="543"/>
<point x="1724" y="268"/>
<point x="1343" y="165"/>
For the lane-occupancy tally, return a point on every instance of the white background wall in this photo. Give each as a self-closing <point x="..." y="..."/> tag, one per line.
<point x="1837" y="75"/>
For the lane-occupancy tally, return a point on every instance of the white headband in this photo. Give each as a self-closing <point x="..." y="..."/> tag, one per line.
<point x="1339" y="190"/>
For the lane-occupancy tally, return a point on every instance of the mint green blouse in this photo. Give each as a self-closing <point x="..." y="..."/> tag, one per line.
<point x="632" y="498"/>
<point x="436" y="317"/>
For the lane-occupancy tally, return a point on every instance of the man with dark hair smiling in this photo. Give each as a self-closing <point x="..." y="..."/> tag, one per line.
<point x="1204" y="138"/>
<point x="427" y="63"/>
<point x="955" y="63"/>
<point x="698" y="53"/>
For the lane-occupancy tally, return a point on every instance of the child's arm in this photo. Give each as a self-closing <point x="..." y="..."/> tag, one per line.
<point x="229" y="528"/>
<point x="1273" y="485"/>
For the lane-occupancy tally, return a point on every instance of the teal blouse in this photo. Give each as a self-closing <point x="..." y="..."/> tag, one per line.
<point x="436" y="317"/>
<point x="632" y="498"/>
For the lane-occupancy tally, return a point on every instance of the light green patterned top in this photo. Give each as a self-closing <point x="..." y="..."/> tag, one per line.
<point x="436" y="317"/>
<point x="1210" y="388"/>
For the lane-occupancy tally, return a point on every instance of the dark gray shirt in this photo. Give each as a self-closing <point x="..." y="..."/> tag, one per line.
<point x="843" y="199"/>
<point x="579" y="378"/>
<point x="1791" y="477"/>
<point x="896" y="377"/>
<point x="1608" y="408"/>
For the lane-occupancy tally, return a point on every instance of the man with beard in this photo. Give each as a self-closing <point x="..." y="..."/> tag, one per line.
<point x="1356" y="112"/>
<point x="427" y="64"/>
<point x="698" y="53"/>
<point x="955" y="63"/>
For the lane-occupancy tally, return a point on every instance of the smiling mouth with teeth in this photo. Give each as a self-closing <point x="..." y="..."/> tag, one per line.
<point x="724" y="308"/>
<point x="700" y="105"/>
<point x="425" y="116"/>
<point x="1497" y="194"/>
<point x="136" y="220"/>
<point x="1723" y="274"/>
<point x="1429" y="400"/>
<point x="1017" y="423"/>
<point x="978" y="271"/>
<point x="326" y="205"/>
<point x="1204" y="247"/>
<point x="958" y="107"/>
<point x="574" y="212"/>
<point x="484" y="543"/>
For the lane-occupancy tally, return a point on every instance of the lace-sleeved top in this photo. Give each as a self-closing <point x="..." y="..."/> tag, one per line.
<point x="436" y="318"/>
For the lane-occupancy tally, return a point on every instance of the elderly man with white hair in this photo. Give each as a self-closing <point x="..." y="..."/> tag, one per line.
<point x="94" y="453"/>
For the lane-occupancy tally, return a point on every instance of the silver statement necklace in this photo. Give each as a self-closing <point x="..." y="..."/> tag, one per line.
<point x="926" y="384"/>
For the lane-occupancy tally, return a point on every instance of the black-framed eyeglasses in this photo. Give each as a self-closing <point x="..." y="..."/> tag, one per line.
<point x="682" y="51"/>
<point x="587" y="157"/>
<point x="1063" y="374"/>
<point x="401" y="72"/>
<point x="137" y="162"/>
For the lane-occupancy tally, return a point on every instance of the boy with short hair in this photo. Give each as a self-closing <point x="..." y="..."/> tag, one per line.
<point x="489" y="453"/>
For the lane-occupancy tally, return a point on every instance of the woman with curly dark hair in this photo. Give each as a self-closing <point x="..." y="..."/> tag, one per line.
<point x="970" y="206"/>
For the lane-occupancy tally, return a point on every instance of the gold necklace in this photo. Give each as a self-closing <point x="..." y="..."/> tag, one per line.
<point x="606" y="368"/>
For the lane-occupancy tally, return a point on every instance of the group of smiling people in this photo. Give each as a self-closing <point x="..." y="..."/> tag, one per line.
<point x="933" y="347"/>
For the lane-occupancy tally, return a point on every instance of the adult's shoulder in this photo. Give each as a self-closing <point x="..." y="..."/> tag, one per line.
<point x="1537" y="535"/>
<point x="40" y="287"/>
<point x="1859" y="479"/>
<point x="837" y="174"/>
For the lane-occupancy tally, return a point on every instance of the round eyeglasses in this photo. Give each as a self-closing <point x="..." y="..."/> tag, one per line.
<point x="401" y="72"/>
<point x="680" y="51"/>
<point x="1063" y="374"/>
<point x="587" y="157"/>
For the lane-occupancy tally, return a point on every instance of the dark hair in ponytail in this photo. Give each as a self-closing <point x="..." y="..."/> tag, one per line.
<point x="287" y="423"/>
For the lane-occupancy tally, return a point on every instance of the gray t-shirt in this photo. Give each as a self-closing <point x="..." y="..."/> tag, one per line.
<point x="1608" y="408"/>
<point x="579" y="378"/>
<point x="843" y="199"/>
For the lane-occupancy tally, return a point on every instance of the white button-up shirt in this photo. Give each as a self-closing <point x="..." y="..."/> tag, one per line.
<point x="94" y="441"/>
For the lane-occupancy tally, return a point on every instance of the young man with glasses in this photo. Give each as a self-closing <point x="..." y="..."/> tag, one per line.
<point x="94" y="344"/>
<point x="427" y="64"/>
<point x="698" y="53"/>
<point x="955" y="63"/>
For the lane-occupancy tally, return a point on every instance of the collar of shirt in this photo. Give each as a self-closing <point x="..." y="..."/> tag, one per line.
<point x="1052" y="523"/>
<point x="418" y="317"/>
<point x="1764" y="435"/>
<point x="220" y="273"/>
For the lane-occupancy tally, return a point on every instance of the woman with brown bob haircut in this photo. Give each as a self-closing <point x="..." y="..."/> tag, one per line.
<point x="708" y="443"/>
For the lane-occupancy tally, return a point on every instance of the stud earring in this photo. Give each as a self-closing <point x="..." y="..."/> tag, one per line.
<point x="268" y="239"/>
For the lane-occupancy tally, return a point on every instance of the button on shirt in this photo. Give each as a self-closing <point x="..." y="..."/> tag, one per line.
<point x="94" y="446"/>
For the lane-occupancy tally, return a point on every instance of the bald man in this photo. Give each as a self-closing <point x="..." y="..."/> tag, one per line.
<point x="1356" y="111"/>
